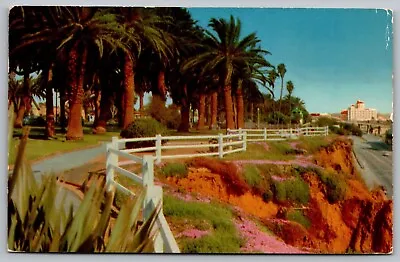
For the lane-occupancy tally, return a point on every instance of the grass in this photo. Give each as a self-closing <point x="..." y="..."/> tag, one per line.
<point x="38" y="148"/>
<point x="252" y="175"/>
<point x="179" y="170"/>
<point x="336" y="185"/>
<point x="314" y="144"/>
<point x="299" y="217"/>
<point x="293" y="190"/>
<point x="223" y="237"/>
<point x="278" y="150"/>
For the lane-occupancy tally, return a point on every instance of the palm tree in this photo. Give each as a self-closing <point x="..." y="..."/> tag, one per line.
<point x="289" y="88"/>
<point x="271" y="78"/>
<point x="143" y="24"/>
<point x="224" y="52"/>
<point x="281" y="73"/>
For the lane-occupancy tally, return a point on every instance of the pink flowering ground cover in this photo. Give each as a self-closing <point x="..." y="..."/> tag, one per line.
<point x="258" y="241"/>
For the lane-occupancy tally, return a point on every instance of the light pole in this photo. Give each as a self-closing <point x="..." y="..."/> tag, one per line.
<point x="258" y="117"/>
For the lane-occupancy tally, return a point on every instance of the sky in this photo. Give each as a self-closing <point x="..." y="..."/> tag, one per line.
<point x="333" y="56"/>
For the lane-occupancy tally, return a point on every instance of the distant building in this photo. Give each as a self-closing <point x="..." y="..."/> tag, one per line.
<point x="344" y="115"/>
<point x="358" y="112"/>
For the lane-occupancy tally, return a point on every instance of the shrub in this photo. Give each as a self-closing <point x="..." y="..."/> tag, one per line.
<point x="294" y="190"/>
<point x="352" y="129"/>
<point x="168" y="116"/>
<point x="252" y="175"/>
<point x="336" y="185"/>
<point x="145" y="127"/>
<point x="174" y="169"/>
<point x="298" y="216"/>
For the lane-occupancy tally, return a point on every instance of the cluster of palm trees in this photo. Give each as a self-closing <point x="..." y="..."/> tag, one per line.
<point x="116" y="53"/>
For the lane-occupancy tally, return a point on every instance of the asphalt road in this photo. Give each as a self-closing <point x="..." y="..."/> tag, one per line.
<point x="375" y="161"/>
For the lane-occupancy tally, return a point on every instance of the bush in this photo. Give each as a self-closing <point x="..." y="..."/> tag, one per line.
<point x="295" y="190"/>
<point x="168" y="116"/>
<point x="174" y="170"/>
<point x="298" y="216"/>
<point x="252" y="175"/>
<point x="144" y="127"/>
<point x="336" y="186"/>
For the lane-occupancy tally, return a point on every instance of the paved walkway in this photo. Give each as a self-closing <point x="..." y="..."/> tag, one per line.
<point x="67" y="161"/>
<point x="64" y="162"/>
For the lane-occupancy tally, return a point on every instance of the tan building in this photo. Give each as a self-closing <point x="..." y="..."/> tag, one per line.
<point x="358" y="112"/>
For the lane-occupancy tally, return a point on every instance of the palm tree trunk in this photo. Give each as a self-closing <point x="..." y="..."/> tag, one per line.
<point x="208" y="111"/>
<point x="63" y="100"/>
<point x="105" y="113"/>
<point x="97" y="101"/>
<point x="50" y="131"/>
<point x="185" y="112"/>
<point x="77" y="73"/>
<point x="162" y="88"/>
<point x="141" y="102"/>
<point x="240" y="105"/>
<point x="202" y="111"/>
<point x="25" y="102"/>
<point x="280" y="100"/>
<point x="252" y="111"/>
<point x="228" y="99"/>
<point x="234" y="112"/>
<point x="214" y="110"/>
<point x="129" y="91"/>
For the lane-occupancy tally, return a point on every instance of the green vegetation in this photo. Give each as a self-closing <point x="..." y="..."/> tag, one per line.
<point x="278" y="150"/>
<point x="336" y="185"/>
<point x="298" y="216"/>
<point x="313" y="144"/>
<point x="38" y="148"/>
<point x="252" y="175"/>
<point x="223" y="237"/>
<point x="293" y="190"/>
<point x="175" y="169"/>
<point x="144" y="127"/>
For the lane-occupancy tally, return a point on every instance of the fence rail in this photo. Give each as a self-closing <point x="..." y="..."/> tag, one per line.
<point x="218" y="145"/>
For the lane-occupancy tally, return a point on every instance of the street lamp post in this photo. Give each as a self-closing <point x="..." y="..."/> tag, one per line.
<point x="258" y="117"/>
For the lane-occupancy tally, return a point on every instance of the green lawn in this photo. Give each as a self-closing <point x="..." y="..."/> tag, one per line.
<point x="37" y="147"/>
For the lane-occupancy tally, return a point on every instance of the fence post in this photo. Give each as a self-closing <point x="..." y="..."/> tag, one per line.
<point x="112" y="160"/>
<point x="148" y="183"/>
<point x="158" y="149"/>
<point x="244" y="137"/>
<point x="265" y="134"/>
<point x="306" y="131"/>
<point x="326" y="130"/>
<point x="220" y="146"/>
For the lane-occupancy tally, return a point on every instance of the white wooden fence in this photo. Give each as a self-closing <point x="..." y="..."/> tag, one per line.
<point x="216" y="145"/>
<point x="255" y="135"/>
<point x="165" y="241"/>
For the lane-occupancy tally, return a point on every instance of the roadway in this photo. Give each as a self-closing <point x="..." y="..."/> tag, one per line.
<point x="375" y="160"/>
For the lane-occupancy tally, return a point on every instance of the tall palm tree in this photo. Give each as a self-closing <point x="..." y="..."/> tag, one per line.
<point x="271" y="79"/>
<point x="281" y="72"/>
<point x="144" y="26"/>
<point x="289" y="88"/>
<point x="225" y="51"/>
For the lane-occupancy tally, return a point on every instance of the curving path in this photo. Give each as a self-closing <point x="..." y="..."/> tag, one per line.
<point x="63" y="162"/>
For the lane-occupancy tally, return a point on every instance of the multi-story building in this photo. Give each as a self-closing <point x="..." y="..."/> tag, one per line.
<point x="358" y="112"/>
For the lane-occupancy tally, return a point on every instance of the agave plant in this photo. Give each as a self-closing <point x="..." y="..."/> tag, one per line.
<point x="38" y="223"/>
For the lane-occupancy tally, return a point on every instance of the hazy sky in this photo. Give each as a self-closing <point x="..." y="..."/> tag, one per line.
<point x="333" y="56"/>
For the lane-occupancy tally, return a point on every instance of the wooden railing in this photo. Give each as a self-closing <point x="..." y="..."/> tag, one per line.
<point x="165" y="241"/>
<point x="255" y="135"/>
